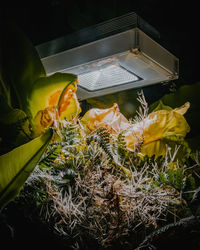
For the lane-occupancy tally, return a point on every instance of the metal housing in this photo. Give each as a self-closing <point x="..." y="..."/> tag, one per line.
<point x="132" y="49"/>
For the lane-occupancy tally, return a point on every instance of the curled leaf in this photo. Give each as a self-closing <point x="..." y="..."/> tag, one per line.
<point x="110" y="119"/>
<point x="158" y="129"/>
<point x="69" y="107"/>
<point x="52" y="99"/>
<point x="183" y="109"/>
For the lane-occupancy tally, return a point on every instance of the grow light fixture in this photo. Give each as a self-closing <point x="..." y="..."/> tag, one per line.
<point x="106" y="75"/>
<point x="110" y="57"/>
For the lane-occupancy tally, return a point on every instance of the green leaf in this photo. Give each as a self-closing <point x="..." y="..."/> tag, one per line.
<point x="58" y="101"/>
<point x="20" y="65"/>
<point x="16" y="166"/>
<point x="50" y="157"/>
<point x="14" y="130"/>
<point x="162" y="178"/>
<point x="14" y="127"/>
<point x="48" y="89"/>
<point x="159" y="106"/>
<point x="179" y="183"/>
<point x="171" y="176"/>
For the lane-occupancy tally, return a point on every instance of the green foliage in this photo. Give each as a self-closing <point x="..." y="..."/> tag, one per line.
<point x="121" y="146"/>
<point x="174" y="178"/>
<point x="195" y="156"/>
<point x="62" y="158"/>
<point x="70" y="134"/>
<point x="23" y="81"/>
<point x="179" y="179"/>
<point x="162" y="178"/>
<point x="183" y="179"/>
<point x="159" y="106"/>
<point x="45" y="87"/>
<point x="20" y="65"/>
<point x="191" y="183"/>
<point x="102" y="137"/>
<point x="16" y="166"/>
<point x="14" y="127"/>
<point x="60" y="184"/>
<point x="50" y="156"/>
<point x="171" y="177"/>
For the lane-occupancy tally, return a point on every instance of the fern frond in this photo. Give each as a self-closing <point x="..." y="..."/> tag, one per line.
<point x="71" y="133"/>
<point x="171" y="176"/>
<point x="121" y="146"/>
<point x="50" y="156"/>
<point x="179" y="179"/>
<point x="103" y="138"/>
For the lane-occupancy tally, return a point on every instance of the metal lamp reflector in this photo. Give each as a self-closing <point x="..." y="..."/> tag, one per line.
<point x="110" y="57"/>
<point x="106" y="77"/>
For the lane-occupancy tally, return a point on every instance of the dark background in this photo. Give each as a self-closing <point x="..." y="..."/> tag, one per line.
<point x="177" y="22"/>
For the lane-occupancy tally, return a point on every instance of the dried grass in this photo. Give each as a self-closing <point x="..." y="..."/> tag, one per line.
<point x="106" y="205"/>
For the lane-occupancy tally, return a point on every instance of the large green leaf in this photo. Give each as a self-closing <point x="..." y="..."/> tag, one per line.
<point x="46" y="90"/>
<point x="16" y="166"/>
<point x="52" y="98"/>
<point x="14" y="127"/>
<point x="20" y="65"/>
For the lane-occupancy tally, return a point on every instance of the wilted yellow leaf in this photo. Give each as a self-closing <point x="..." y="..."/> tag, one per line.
<point x="152" y="132"/>
<point x="150" y="135"/>
<point x="110" y="119"/>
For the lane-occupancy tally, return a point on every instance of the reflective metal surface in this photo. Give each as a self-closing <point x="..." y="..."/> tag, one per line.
<point x="125" y="60"/>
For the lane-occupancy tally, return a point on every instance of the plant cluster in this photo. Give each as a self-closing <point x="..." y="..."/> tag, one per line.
<point x="89" y="186"/>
